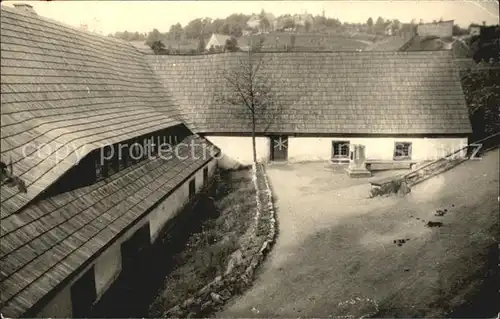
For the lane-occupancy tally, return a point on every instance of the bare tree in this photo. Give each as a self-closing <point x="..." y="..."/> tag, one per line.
<point x="253" y="90"/>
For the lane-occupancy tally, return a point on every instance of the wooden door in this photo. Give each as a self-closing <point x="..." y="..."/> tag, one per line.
<point x="279" y="148"/>
<point x="83" y="294"/>
<point x="135" y="253"/>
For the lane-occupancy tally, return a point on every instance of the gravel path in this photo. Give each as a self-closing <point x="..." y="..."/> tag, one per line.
<point x="335" y="253"/>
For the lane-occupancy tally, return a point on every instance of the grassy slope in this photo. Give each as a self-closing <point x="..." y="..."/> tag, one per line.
<point x="206" y="251"/>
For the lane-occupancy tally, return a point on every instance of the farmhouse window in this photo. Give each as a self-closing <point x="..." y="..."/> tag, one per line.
<point x="192" y="188"/>
<point x="98" y="165"/>
<point x="340" y="149"/>
<point x="122" y="155"/>
<point x="110" y="160"/>
<point x="205" y="176"/>
<point x="83" y="294"/>
<point x="402" y="150"/>
<point x="136" y="151"/>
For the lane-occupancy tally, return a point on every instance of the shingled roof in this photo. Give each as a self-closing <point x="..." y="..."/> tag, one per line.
<point x="458" y="48"/>
<point x="45" y="243"/>
<point x="73" y="91"/>
<point x="334" y="92"/>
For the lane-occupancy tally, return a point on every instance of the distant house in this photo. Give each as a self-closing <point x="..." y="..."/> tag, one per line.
<point x="458" y="47"/>
<point x="388" y="28"/>
<point x="255" y="22"/>
<point x="437" y="29"/>
<point x="142" y="46"/>
<point x="303" y="18"/>
<point x="217" y="41"/>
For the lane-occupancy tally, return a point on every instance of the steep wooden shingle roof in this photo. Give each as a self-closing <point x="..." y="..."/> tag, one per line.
<point x="45" y="243"/>
<point x="71" y="91"/>
<point x="334" y="92"/>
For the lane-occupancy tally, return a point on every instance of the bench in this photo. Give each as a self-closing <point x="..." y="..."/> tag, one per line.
<point x="374" y="164"/>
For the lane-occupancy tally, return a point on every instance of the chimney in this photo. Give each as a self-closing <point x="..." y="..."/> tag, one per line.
<point x="25" y="7"/>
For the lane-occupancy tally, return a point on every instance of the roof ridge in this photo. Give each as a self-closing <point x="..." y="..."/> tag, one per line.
<point x="59" y="23"/>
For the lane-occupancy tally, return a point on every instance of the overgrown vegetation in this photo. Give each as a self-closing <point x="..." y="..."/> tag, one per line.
<point x="482" y="92"/>
<point x="207" y="252"/>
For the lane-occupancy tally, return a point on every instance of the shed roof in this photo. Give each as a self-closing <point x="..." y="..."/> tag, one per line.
<point x="71" y="91"/>
<point x="333" y="92"/>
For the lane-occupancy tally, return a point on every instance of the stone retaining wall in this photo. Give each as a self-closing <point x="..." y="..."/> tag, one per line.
<point x="258" y="240"/>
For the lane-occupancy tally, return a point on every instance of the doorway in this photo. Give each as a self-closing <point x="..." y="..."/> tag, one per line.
<point x="279" y="148"/>
<point x="83" y="294"/>
<point x="135" y="253"/>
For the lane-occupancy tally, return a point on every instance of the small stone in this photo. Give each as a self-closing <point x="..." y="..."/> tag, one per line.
<point x="216" y="297"/>
<point x="187" y="303"/>
<point x="407" y="269"/>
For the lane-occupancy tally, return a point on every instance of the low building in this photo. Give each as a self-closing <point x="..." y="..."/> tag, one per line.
<point x="386" y="101"/>
<point x="438" y="29"/>
<point x="82" y="119"/>
<point x="217" y="42"/>
<point x="142" y="46"/>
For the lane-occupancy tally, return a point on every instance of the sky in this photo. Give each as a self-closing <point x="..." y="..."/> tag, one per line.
<point x="142" y="16"/>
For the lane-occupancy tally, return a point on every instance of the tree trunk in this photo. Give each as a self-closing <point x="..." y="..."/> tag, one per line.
<point x="254" y="147"/>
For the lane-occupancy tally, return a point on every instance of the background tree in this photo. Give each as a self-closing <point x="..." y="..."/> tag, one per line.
<point x="369" y="22"/>
<point x="231" y="45"/>
<point x="264" y="22"/>
<point x="307" y="26"/>
<point x="158" y="47"/>
<point x="482" y="93"/>
<point x="201" y="44"/>
<point x="193" y="29"/>
<point x="250" y="89"/>
<point x="380" y="25"/>
<point x="176" y="32"/>
<point x="154" y="36"/>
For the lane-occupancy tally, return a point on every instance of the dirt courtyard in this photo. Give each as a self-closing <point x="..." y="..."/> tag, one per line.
<point x="340" y="253"/>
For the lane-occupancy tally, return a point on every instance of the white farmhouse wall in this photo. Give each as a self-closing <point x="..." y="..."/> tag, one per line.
<point x="317" y="149"/>
<point x="176" y="201"/>
<point x="237" y="150"/>
<point x="107" y="266"/>
<point x="59" y="306"/>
